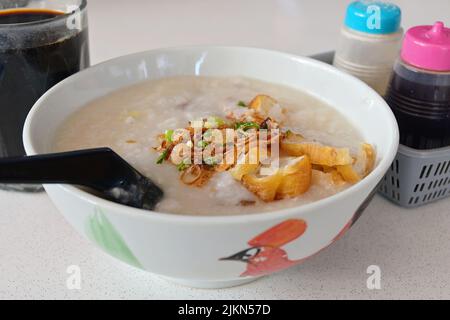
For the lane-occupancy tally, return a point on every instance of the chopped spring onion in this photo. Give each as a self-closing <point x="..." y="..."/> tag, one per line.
<point x="214" y="122"/>
<point x="168" y="136"/>
<point x="183" y="165"/>
<point x="162" y="157"/>
<point x="246" y="125"/>
<point x="202" y="144"/>
<point x="207" y="134"/>
<point x="242" y="104"/>
<point x="211" y="161"/>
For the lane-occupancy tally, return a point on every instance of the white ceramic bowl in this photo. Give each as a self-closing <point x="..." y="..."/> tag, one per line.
<point x="190" y="249"/>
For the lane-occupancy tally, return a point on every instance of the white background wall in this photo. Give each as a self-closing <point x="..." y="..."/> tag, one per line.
<point x="299" y="26"/>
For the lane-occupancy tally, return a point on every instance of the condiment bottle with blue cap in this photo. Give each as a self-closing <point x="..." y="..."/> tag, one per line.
<point x="370" y="42"/>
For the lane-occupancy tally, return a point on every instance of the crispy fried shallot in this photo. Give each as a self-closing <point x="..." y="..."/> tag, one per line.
<point x="234" y="145"/>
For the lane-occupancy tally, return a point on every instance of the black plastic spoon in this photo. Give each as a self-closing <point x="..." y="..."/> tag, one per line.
<point x="101" y="169"/>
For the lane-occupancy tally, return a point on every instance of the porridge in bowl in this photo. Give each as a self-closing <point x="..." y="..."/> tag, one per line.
<point x="224" y="145"/>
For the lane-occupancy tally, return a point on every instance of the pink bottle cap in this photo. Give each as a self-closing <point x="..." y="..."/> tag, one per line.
<point x="427" y="47"/>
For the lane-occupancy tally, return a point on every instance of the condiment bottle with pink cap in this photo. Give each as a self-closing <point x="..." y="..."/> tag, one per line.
<point x="419" y="90"/>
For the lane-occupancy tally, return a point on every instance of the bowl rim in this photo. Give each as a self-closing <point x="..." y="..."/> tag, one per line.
<point x="278" y="214"/>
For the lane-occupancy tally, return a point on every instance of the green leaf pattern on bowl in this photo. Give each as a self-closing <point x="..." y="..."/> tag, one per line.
<point x="100" y="230"/>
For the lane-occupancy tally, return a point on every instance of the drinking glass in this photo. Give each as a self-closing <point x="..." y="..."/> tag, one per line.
<point x="41" y="43"/>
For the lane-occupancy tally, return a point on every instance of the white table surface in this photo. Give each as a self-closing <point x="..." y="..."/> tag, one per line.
<point x="411" y="247"/>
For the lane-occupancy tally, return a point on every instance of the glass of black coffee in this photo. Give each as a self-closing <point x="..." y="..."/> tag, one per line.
<point x="41" y="43"/>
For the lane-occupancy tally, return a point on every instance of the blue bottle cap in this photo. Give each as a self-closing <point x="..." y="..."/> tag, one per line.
<point x="374" y="17"/>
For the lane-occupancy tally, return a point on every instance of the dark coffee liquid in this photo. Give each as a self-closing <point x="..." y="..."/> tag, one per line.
<point x="30" y="70"/>
<point x="27" y="16"/>
<point x="422" y="110"/>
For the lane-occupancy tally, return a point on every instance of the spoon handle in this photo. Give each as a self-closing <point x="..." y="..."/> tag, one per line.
<point x="75" y="167"/>
<point x="100" y="169"/>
